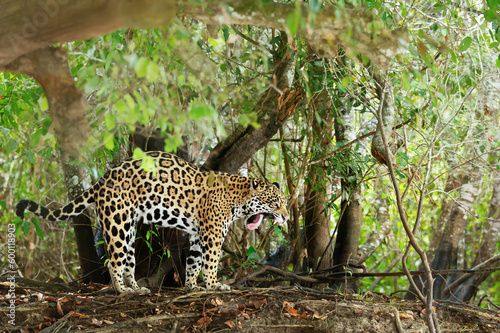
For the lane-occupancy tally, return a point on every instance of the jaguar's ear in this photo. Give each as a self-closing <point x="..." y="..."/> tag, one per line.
<point x="277" y="185"/>
<point x="254" y="185"/>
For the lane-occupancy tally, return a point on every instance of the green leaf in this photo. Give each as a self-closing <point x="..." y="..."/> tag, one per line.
<point x="405" y="80"/>
<point x="108" y="140"/>
<point x="172" y="143"/>
<point x="279" y="232"/>
<point x="243" y="120"/>
<point x="26" y="227"/>
<point x="152" y="72"/>
<point x="19" y="224"/>
<point x="275" y="40"/>
<point x="454" y="57"/>
<point x="30" y="156"/>
<point x="345" y="82"/>
<point x="45" y="104"/>
<point x="201" y="111"/>
<point x="35" y="137"/>
<point x="4" y="131"/>
<point x="148" y="164"/>
<point x="141" y="67"/>
<point x="92" y="83"/>
<point x="492" y="4"/>
<point x="225" y="32"/>
<point x="109" y="58"/>
<point x="138" y="153"/>
<point x="490" y="15"/>
<point x="315" y="5"/>
<point x="120" y="106"/>
<point x="13" y="145"/>
<point x="109" y="120"/>
<point x="38" y="230"/>
<point x="251" y="250"/>
<point x="253" y="257"/>
<point x="292" y="22"/>
<point x="465" y="44"/>
<point x="46" y="124"/>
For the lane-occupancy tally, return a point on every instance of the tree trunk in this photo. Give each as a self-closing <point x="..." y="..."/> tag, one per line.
<point x="468" y="289"/>
<point x="452" y="184"/>
<point x="386" y="124"/>
<point x="351" y="219"/>
<point x="317" y="216"/>
<point x="67" y="107"/>
<point x="377" y="236"/>
<point x="454" y="230"/>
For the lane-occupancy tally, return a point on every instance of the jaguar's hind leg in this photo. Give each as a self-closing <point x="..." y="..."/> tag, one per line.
<point x="117" y="252"/>
<point x="116" y="268"/>
<point x="129" y="270"/>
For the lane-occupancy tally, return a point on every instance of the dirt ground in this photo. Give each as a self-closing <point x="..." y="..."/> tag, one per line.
<point x="97" y="308"/>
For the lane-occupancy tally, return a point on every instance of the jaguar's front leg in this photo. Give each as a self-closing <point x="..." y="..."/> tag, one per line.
<point x="211" y="248"/>
<point x="193" y="264"/>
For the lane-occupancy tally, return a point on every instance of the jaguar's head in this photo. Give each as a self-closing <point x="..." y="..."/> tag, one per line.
<point x="266" y="200"/>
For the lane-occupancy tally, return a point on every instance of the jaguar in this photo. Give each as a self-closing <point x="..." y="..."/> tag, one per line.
<point x="172" y="194"/>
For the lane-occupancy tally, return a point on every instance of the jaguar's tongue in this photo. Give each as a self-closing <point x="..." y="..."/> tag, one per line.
<point x="254" y="221"/>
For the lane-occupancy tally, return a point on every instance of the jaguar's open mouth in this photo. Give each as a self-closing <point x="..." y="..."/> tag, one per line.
<point x="254" y="221"/>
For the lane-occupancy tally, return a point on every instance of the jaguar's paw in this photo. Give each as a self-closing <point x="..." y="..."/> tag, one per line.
<point x="143" y="290"/>
<point x="194" y="288"/>
<point x="126" y="291"/>
<point x="221" y="287"/>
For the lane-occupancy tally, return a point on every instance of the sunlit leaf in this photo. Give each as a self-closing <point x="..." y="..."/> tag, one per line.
<point x="465" y="44"/>
<point x="45" y="104"/>
<point x="109" y="120"/>
<point x="292" y="22"/>
<point x="108" y="140"/>
<point x="201" y="111"/>
<point x="141" y="67"/>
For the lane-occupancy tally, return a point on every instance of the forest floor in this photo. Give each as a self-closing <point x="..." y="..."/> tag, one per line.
<point x="94" y="308"/>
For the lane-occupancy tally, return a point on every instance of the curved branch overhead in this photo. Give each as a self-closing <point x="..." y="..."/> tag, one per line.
<point x="29" y="25"/>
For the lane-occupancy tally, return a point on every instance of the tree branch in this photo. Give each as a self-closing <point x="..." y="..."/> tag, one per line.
<point x="353" y="29"/>
<point x="32" y="24"/>
<point x="36" y="24"/>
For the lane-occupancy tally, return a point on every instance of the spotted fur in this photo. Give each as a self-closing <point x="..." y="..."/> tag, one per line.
<point x="175" y="195"/>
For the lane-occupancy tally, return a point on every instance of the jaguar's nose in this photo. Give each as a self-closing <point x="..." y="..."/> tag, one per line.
<point x="285" y="218"/>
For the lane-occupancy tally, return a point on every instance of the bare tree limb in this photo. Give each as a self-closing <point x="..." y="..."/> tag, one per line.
<point x="431" y="319"/>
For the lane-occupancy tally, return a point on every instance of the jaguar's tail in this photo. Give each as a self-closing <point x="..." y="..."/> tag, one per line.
<point x="74" y="208"/>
